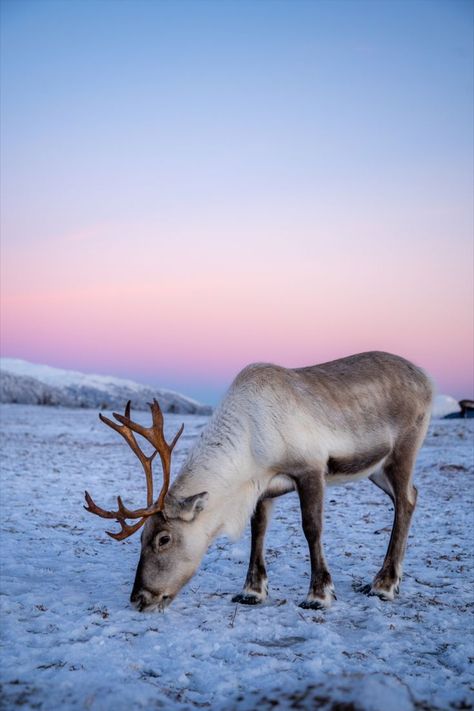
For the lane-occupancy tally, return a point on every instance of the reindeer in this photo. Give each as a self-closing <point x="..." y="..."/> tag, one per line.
<point x="278" y="430"/>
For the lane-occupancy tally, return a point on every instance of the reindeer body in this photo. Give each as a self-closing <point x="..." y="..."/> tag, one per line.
<point x="279" y="430"/>
<point x="275" y="424"/>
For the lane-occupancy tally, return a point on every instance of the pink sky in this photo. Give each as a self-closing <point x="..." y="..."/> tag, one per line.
<point x="166" y="309"/>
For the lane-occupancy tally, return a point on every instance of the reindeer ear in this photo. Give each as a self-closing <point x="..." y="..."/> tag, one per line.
<point x="191" y="506"/>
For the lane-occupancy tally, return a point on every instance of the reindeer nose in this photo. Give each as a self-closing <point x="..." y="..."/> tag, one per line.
<point x="138" y="598"/>
<point x="139" y="601"/>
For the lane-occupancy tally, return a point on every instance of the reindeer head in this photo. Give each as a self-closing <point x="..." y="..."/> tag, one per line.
<point x="172" y="547"/>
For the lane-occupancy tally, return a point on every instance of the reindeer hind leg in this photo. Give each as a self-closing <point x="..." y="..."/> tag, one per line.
<point x="395" y="479"/>
<point x="380" y="480"/>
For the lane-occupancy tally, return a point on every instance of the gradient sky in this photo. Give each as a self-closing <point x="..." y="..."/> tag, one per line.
<point x="191" y="186"/>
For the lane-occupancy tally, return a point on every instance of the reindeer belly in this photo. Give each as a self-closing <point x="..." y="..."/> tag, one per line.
<point x="280" y="484"/>
<point x="340" y="470"/>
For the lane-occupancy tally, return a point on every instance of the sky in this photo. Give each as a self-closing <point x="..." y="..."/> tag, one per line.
<point x="191" y="186"/>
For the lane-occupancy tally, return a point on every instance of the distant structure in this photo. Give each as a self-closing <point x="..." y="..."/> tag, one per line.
<point x="467" y="408"/>
<point x="466" y="411"/>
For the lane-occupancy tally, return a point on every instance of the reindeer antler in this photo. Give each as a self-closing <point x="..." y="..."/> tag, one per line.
<point x="156" y="437"/>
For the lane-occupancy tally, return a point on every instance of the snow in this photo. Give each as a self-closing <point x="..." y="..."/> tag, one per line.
<point x="444" y="405"/>
<point x="72" y="641"/>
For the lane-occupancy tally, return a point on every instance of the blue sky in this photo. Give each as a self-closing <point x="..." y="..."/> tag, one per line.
<point x="205" y="137"/>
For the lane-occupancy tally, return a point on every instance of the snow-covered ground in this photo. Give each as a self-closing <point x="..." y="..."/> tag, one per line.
<point x="72" y="641"/>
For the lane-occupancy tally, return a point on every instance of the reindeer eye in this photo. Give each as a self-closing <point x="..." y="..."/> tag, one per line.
<point x="164" y="539"/>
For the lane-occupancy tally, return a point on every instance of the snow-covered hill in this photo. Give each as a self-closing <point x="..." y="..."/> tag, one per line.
<point x="445" y="405"/>
<point x="33" y="384"/>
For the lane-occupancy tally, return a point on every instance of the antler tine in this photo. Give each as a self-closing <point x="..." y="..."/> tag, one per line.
<point x="156" y="415"/>
<point x="164" y="451"/>
<point x="176" y="437"/>
<point x="126" y="529"/>
<point x="166" y="464"/>
<point x="93" y="508"/>
<point x="122" y="513"/>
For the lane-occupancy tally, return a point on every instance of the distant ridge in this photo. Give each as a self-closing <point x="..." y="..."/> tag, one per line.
<point x="33" y="384"/>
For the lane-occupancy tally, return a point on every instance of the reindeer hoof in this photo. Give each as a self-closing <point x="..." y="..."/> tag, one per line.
<point x="385" y="596"/>
<point x="247" y="599"/>
<point x="321" y="600"/>
<point x="312" y="605"/>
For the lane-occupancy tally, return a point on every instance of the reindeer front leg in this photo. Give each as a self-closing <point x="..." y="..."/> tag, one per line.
<point x="256" y="583"/>
<point x="310" y="487"/>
